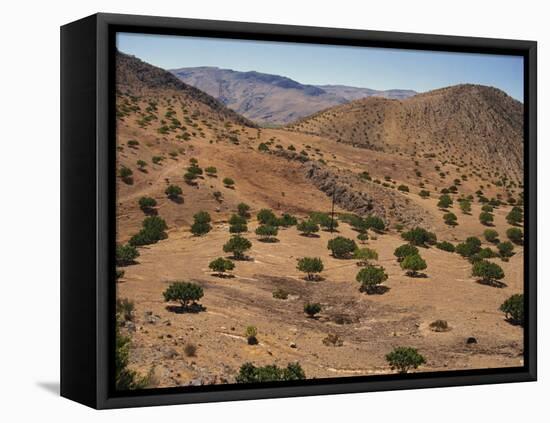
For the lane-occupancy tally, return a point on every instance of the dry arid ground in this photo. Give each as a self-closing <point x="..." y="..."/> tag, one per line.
<point x="296" y="174"/>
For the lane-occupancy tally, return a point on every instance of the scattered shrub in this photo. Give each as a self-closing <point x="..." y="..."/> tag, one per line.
<point x="515" y="235"/>
<point x="370" y="277"/>
<point x="280" y="294"/>
<point x="419" y="237"/>
<point x="237" y="245"/>
<point x="489" y="272"/>
<point x="341" y="247"/>
<point x="513" y="307"/>
<point x="450" y="219"/>
<point x="221" y="266"/>
<point x="251" y="334"/>
<point x="243" y="209"/>
<point x="125" y="310"/>
<point x="515" y="216"/>
<point x="490" y="235"/>
<point x="266" y="217"/>
<point x="486" y="218"/>
<point x="126" y="255"/>
<point x="404" y="359"/>
<point x="186" y="293"/>
<point x="311" y="266"/>
<point x="147" y="204"/>
<point x="364" y="255"/>
<point x="249" y="373"/>
<point x="311" y="309"/>
<point x="424" y="193"/>
<point x="468" y="248"/>
<point x="267" y="233"/>
<point x="412" y="264"/>
<point x="228" y="182"/>
<point x="173" y="192"/>
<point x="446" y="246"/>
<point x="153" y="231"/>
<point x="211" y="171"/>
<point x="307" y="227"/>
<point x="445" y="201"/>
<point x="404" y="251"/>
<point x="439" y="326"/>
<point x="505" y="249"/>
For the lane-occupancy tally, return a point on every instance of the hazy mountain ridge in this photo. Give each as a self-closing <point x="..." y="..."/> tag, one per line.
<point x="273" y="99"/>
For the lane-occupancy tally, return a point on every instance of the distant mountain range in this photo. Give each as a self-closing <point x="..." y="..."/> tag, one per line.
<point x="274" y="99"/>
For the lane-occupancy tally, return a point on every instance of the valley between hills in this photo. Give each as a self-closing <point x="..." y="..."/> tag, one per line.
<point x="440" y="172"/>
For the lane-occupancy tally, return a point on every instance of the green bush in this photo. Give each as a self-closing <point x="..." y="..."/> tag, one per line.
<point x="515" y="235"/>
<point x="125" y="172"/>
<point x="147" y="204"/>
<point x="125" y="310"/>
<point x="186" y="293"/>
<point x="173" y="192"/>
<point x="487" y="208"/>
<point x="468" y="248"/>
<point x="403" y="188"/>
<point x="488" y="272"/>
<point x="450" y="219"/>
<point x="364" y="255"/>
<point x="513" y="307"/>
<point x="375" y="223"/>
<point x="363" y="237"/>
<point x="142" y="164"/>
<point x="251" y="334"/>
<point x="266" y="217"/>
<point x="126" y="379"/>
<point x="404" y="251"/>
<point x="370" y="277"/>
<point x="412" y="264"/>
<point x="324" y="220"/>
<point x="267" y="233"/>
<point x="243" y="209"/>
<point x="419" y="237"/>
<point x="465" y="206"/>
<point x="445" y="201"/>
<point x="211" y="171"/>
<point x="505" y="249"/>
<point x="341" y="247"/>
<point x="153" y="231"/>
<point x="404" y="359"/>
<point x="311" y="266"/>
<point x="237" y="220"/>
<point x="280" y="294"/>
<point x="237" y="245"/>
<point x="311" y="309"/>
<point x="486" y="218"/>
<point x="238" y="228"/>
<point x="515" y="217"/>
<point x="287" y="220"/>
<point x="490" y="235"/>
<point x="446" y="246"/>
<point x="228" y="182"/>
<point x="249" y="373"/>
<point x="424" y="193"/>
<point x="307" y="227"/>
<point x="221" y="266"/>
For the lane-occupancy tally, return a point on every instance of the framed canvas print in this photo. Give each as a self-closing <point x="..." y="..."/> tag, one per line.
<point x="256" y="211"/>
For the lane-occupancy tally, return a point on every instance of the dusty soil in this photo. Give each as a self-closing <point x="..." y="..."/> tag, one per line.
<point x="370" y="326"/>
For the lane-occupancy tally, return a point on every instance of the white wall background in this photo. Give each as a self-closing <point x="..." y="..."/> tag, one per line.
<point x="29" y="142"/>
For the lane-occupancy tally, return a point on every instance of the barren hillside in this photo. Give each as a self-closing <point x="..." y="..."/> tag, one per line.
<point x="468" y="125"/>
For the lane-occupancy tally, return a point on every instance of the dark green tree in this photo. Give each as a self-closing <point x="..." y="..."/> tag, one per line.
<point x="404" y="359"/>
<point x="312" y="266"/>
<point x="341" y="247"/>
<point x="237" y="245"/>
<point x="186" y="293"/>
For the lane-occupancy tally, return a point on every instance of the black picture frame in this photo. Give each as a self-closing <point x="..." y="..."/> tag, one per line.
<point x="87" y="209"/>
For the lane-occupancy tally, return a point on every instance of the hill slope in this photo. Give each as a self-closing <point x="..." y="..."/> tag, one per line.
<point x="464" y="124"/>
<point x="273" y="99"/>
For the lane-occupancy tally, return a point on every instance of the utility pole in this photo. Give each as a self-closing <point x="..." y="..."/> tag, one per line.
<point x="332" y="213"/>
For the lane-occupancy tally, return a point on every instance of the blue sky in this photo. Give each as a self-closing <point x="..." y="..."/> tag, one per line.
<point x="320" y="64"/>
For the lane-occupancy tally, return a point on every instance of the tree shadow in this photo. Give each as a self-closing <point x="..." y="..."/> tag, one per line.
<point x="177" y="200"/>
<point x="514" y="322"/>
<point x="193" y="308"/>
<point x="150" y="211"/>
<point x="310" y="235"/>
<point x="377" y="290"/>
<point x="223" y="275"/>
<point x="314" y="278"/>
<point x="416" y="275"/>
<point x="492" y="283"/>
<point x="269" y="240"/>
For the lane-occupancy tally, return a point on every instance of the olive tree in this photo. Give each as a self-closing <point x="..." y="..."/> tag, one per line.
<point x="311" y="266"/>
<point x="370" y="277"/>
<point x="221" y="266"/>
<point x="412" y="264"/>
<point x="237" y="245"/>
<point x="341" y="247"/>
<point x="186" y="293"/>
<point x="404" y="359"/>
